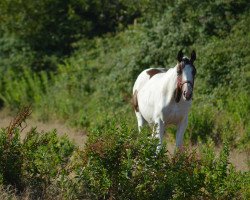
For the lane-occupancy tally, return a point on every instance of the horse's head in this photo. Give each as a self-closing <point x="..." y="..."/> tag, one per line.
<point x="185" y="76"/>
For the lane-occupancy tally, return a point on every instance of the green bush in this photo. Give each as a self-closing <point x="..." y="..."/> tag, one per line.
<point x="201" y="125"/>
<point x="23" y="87"/>
<point x="45" y="159"/>
<point x="120" y="163"/>
<point x="38" y="163"/>
<point x="11" y="158"/>
<point x="117" y="162"/>
<point x="219" y="121"/>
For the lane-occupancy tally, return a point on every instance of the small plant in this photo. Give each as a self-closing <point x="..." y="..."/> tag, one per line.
<point x="11" y="155"/>
<point x="38" y="163"/>
<point x="45" y="159"/>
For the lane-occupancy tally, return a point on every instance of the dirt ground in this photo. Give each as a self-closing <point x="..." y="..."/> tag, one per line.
<point x="79" y="137"/>
<point x="239" y="159"/>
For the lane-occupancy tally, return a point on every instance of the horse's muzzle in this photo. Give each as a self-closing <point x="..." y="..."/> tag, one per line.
<point x="187" y="95"/>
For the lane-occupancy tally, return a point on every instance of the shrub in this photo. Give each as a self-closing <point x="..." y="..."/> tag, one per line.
<point x="117" y="162"/>
<point x="122" y="164"/>
<point x="11" y="158"/>
<point x="45" y="158"/>
<point x="11" y="154"/>
<point x="38" y="163"/>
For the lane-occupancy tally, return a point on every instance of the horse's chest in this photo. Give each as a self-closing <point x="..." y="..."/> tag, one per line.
<point x="174" y="114"/>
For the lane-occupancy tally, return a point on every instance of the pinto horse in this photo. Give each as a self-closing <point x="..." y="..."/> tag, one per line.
<point x="162" y="97"/>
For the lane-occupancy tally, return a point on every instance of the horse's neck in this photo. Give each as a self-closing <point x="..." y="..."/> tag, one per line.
<point x="171" y="79"/>
<point x="170" y="82"/>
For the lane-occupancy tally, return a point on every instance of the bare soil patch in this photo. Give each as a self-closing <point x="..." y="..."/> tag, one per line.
<point x="77" y="136"/>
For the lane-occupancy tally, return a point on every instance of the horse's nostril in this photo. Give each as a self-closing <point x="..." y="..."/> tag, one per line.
<point x="184" y="93"/>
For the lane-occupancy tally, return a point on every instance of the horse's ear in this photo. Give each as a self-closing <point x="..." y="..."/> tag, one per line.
<point x="193" y="56"/>
<point x="180" y="56"/>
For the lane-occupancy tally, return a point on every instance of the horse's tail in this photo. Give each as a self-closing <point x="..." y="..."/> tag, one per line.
<point x="135" y="101"/>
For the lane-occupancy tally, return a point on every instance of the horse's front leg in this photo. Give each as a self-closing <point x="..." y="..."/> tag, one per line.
<point x="181" y="127"/>
<point x="159" y="131"/>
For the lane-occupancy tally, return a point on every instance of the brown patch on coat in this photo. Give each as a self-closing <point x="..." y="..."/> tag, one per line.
<point x="177" y="94"/>
<point x="135" y="101"/>
<point x="178" y="90"/>
<point x="153" y="72"/>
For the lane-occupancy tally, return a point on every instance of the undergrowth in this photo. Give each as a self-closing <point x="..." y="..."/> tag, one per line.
<point x="116" y="163"/>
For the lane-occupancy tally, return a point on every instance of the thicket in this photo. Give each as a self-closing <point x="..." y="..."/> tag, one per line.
<point x="116" y="163"/>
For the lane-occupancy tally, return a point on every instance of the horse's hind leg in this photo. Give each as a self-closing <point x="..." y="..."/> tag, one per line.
<point x="140" y="120"/>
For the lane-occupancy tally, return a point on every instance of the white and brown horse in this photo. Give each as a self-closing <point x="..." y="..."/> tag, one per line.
<point x="162" y="97"/>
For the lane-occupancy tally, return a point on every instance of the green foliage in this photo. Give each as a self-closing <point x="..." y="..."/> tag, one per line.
<point x="219" y="120"/>
<point x="45" y="158"/>
<point x="36" y="163"/>
<point x="119" y="163"/>
<point x="23" y="87"/>
<point x="11" y="158"/>
<point x="51" y="26"/>
<point x="224" y="66"/>
<point x="14" y="53"/>
<point x="116" y="162"/>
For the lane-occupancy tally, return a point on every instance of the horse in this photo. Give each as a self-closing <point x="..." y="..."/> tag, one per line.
<point x="164" y="96"/>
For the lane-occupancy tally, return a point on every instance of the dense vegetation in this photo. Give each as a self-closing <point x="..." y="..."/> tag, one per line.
<point x="116" y="163"/>
<point x="76" y="61"/>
